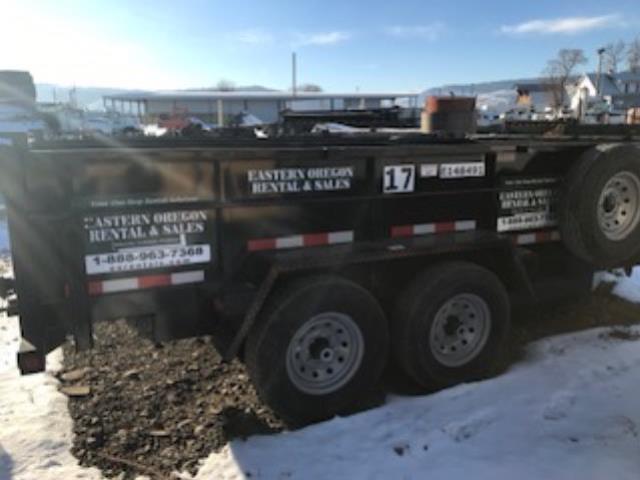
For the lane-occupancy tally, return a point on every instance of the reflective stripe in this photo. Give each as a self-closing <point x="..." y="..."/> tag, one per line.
<point x="424" y="229"/>
<point x="180" y="278"/>
<point x="290" y="242"/>
<point x="109" y="286"/>
<point x="536" y="237"/>
<point x="147" y="281"/>
<point x="313" y="239"/>
<point x="402" y="231"/>
<point x="261" y="244"/>
<point x="465" y="225"/>
<point x="304" y="240"/>
<point x="345" y="236"/>
<point x="431" y="228"/>
<point x="154" y="281"/>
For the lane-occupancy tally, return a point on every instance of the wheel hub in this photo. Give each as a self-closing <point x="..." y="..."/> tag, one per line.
<point x="320" y="348"/>
<point x="327" y="355"/>
<point x="451" y="325"/>
<point x="619" y="206"/>
<point x="610" y="202"/>
<point x="324" y="353"/>
<point x="460" y="330"/>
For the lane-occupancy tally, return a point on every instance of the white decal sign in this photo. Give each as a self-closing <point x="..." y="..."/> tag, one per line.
<point x="299" y="180"/>
<point x="145" y="240"/>
<point x="127" y="260"/>
<point x="526" y="209"/>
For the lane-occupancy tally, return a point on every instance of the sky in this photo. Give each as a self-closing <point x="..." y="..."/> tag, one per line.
<point x="343" y="46"/>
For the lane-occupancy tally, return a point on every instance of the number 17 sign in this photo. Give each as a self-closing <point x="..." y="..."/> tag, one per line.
<point x="398" y="178"/>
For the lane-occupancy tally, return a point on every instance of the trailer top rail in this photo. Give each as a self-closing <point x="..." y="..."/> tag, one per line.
<point x="381" y="138"/>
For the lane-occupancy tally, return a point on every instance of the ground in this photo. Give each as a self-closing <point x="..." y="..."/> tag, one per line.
<point x="566" y="409"/>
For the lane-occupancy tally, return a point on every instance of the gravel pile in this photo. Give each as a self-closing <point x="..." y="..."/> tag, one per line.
<point x="144" y="409"/>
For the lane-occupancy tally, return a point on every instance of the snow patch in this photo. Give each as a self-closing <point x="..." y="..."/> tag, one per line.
<point x="35" y="427"/>
<point x="559" y="405"/>
<point x="629" y="287"/>
<point x="626" y="287"/>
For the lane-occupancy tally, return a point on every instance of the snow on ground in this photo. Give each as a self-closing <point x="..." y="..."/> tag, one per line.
<point x="35" y="427"/>
<point x="625" y="287"/>
<point x="569" y="410"/>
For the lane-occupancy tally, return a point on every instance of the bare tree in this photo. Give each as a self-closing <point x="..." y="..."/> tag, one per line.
<point x="559" y="71"/>
<point x="613" y="56"/>
<point x="309" y="87"/>
<point x="633" y="55"/>
<point x="224" y="85"/>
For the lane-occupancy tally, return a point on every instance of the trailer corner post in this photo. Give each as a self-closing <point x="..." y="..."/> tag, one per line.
<point x="220" y="113"/>
<point x="78" y="294"/>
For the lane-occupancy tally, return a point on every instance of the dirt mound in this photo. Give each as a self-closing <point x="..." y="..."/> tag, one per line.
<point x="149" y="409"/>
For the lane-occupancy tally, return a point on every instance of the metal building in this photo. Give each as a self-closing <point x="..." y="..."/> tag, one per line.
<point x="221" y="106"/>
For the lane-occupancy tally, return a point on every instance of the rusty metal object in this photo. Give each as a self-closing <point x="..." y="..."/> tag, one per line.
<point x="453" y="115"/>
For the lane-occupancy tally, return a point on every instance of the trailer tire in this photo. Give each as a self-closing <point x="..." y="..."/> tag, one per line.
<point x="451" y="325"/>
<point x="600" y="207"/>
<point x="319" y="346"/>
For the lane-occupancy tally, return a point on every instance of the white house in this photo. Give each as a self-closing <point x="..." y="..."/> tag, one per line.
<point x="620" y="91"/>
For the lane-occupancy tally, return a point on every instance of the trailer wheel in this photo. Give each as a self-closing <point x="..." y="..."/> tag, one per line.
<point x="320" y="345"/>
<point x="600" y="210"/>
<point x="451" y="325"/>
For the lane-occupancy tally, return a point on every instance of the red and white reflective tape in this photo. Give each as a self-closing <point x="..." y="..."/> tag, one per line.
<point x="305" y="240"/>
<point x="431" y="228"/>
<point x="149" y="281"/>
<point x="536" y="237"/>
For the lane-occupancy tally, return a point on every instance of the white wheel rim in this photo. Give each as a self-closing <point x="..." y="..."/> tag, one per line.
<point x="460" y="330"/>
<point x="325" y="353"/>
<point x="619" y="206"/>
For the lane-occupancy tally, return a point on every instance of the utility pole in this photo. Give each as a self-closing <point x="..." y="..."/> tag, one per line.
<point x="598" y="77"/>
<point x="293" y="73"/>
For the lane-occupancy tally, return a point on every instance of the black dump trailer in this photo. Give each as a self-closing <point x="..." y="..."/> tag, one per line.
<point x="315" y="260"/>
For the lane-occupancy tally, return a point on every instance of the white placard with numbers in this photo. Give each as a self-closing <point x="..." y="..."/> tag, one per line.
<point x="462" y="170"/>
<point x="399" y="178"/>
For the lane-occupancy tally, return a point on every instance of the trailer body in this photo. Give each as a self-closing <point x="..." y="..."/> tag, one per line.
<point x="195" y="236"/>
